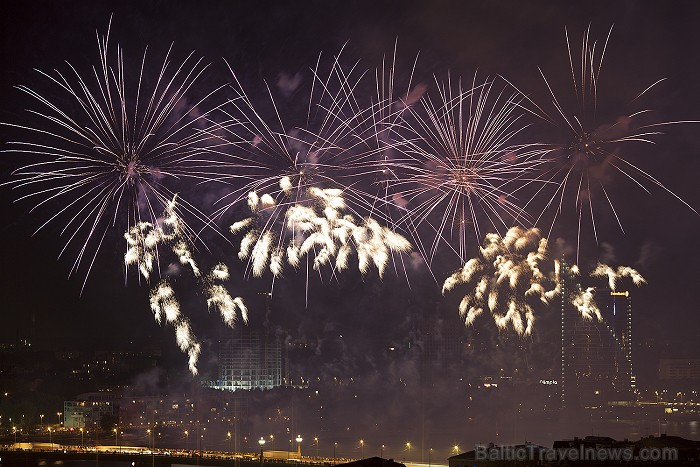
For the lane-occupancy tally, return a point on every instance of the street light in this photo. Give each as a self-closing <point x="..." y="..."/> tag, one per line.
<point x="408" y="447"/>
<point x="316" y="443"/>
<point x="14" y="430"/>
<point x="261" y="442"/>
<point x="362" y="449"/>
<point x="335" y="446"/>
<point x="381" y="451"/>
<point x="272" y="442"/>
<point x="187" y="439"/>
<point x="116" y="439"/>
<point x="50" y="442"/>
<point x="58" y="414"/>
<point x="299" y="440"/>
<point x="430" y="451"/>
<point x="41" y="418"/>
<point x="82" y="437"/>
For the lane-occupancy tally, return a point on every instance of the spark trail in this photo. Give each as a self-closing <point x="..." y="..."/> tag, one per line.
<point x="334" y="143"/>
<point x="505" y="278"/>
<point x="312" y="224"/>
<point x="143" y="243"/>
<point x="512" y="272"/>
<point x="584" y="299"/>
<point x="109" y="144"/>
<point x="459" y="165"/>
<point x="596" y="146"/>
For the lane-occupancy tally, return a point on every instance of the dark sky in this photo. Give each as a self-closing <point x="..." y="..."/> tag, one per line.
<point x="261" y="40"/>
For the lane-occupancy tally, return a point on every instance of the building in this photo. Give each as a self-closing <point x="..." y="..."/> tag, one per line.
<point x="87" y="410"/>
<point x="492" y="455"/>
<point x="679" y="369"/>
<point x="596" y="355"/>
<point x="249" y="359"/>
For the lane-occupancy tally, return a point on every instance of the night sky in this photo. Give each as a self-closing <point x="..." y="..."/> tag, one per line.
<point x="353" y="320"/>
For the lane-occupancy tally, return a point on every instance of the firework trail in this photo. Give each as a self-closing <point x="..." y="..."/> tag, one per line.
<point x="312" y="225"/>
<point x="108" y="146"/>
<point x="505" y="279"/>
<point x="584" y="300"/>
<point x="595" y="146"/>
<point x="509" y="275"/>
<point x="143" y="242"/>
<point x="603" y="270"/>
<point x="332" y="144"/>
<point x="459" y="166"/>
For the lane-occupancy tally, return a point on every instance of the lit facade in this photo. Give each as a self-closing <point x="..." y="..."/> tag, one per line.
<point x="87" y="410"/>
<point x="249" y="359"/>
<point x="596" y="356"/>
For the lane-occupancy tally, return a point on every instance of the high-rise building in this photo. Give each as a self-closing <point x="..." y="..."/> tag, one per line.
<point x="596" y="355"/>
<point x="249" y="359"/>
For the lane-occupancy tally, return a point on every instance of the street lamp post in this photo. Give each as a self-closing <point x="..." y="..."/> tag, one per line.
<point x="116" y="437"/>
<point x="272" y="442"/>
<point x="430" y="452"/>
<point x="261" y="442"/>
<point x="41" y="418"/>
<point x="362" y="449"/>
<point x="14" y="430"/>
<point x="187" y="440"/>
<point x="58" y="414"/>
<point x="335" y="446"/>
<point x="151" y="445"/>
<point x="316" y="443"/>
<point x="408" y="447"/>
<point x="299" y="440"/>
<point x="50" y="442"/>
<point x="82" y="437"/>
<point x="381" y="451"/>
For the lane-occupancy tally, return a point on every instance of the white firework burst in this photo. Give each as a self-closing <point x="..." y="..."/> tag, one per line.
<point x="108" y="144"/>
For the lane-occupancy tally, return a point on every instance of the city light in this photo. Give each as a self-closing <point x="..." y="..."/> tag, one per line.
<point x="261" y="442"/>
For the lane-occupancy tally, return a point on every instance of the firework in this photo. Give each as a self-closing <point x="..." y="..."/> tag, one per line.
<point x="312" y="225"/>
<point x="145" y="242"/>
<point x="505" y="278"/>
<point x="332" y="144"/>
<point x="596" y="147"/>
<point x="459" y="166"/>
<point x="144" y="238"/>
<point x="584" y="300"/>
<point x="510" y="273"/>
<point x="164" y="303"/>
<point x="108" y="144"/>
<point x="603" y="270"/>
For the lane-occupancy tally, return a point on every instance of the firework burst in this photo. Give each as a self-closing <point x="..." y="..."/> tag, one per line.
<point x="581" y="168"/>
<point x="144" y="243"/>
<point x="513" y="270"/>
<point x="505" y="278"/>
<point x="108" y="146"/>
<point x="459" y="166"/>
<point x="312" y="225"/>
<point x="584" y="299"/>
<point x="330" y="145"/>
